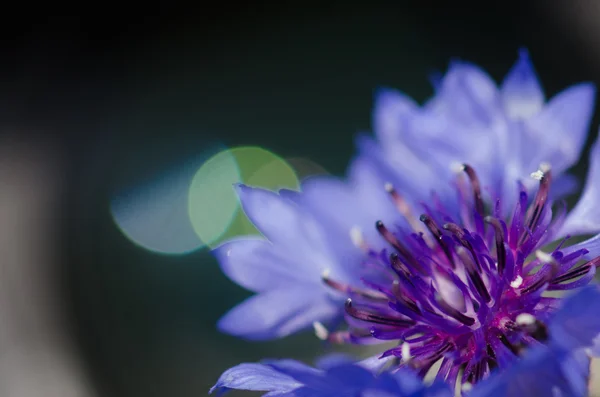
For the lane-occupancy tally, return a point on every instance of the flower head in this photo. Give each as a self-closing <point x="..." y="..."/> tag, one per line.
<point x="467" y="289"/>
<point x="458" y="275"/>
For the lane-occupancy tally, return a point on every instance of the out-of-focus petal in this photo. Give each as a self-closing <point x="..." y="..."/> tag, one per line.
<point x="522" y="95"/>
<point x="560" y="129"/>
<point x="256" y="377"/>
<point x="391" y="108"/>
<point x="400" y="166"/>
<point x="270" y="213"/>
<point x="290" y="228"/>
<point x="278" y="313"/>
<point x="584" y="218"/>
<point x="291" y="378"/>
<point x="538" y="373"/>
<point x="333" y="360"/>
<point x="470" y="94"/>
<point x="577" y="323"/>
<point x="257" y="265"/>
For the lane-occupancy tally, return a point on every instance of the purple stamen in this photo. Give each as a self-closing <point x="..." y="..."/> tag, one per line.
<point x="374" y="317"/>
<point x="499" y="238"/>
<point x="437" y="234"/>
<point x="460" y="298"/>
<point x="476" y="188"/>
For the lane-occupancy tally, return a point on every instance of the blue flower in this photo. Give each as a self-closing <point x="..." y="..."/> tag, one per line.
<point x="561" y="366"/>
<point x="291" y="378"/>
<point x="446" y="274"/>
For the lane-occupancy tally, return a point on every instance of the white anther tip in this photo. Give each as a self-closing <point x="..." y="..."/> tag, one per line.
<point x="466" y="387"/>
<point x="516" y="283"/>
<point x="537" y="175"/>
<point x="525" y="319"/>
<point x="356" y="236"/>
<point x="457" y="167"/>
<point x="388" y="187"/>
<point x="325" y="274"/>
<point x="320" y="330"/>
<point x="406" y="356"/>
<point x="544" y="257"/>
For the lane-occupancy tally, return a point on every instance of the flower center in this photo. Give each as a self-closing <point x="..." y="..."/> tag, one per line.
<point x="468" y="293"/>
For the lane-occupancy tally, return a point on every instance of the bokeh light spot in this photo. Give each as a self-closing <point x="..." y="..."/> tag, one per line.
<point x="305" y="167"/>
<point x="212" y="202"/>
<point x="154" y="214"/>
<point x="213" y="205"/>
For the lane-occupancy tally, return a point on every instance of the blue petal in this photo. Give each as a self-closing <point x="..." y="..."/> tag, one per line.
<point x="376" y="364"/>
<point x="592" y="245"/>
<point x="577" y="323"/>
<point x="258" y="265"/>
<point x="409" y="383"/>
<point x="576" y="368"/>
<point x="344" y="206"/>
<point x="273" y="215"/>
<point x="333" y="360"/>
<point x="539" y="373"/>
<point x="256" y="377"/>
<point x="291" y="378"/>
<point x="584" y="218"/>
<point x="564" y="185"/>
<point x="291" y="229"/>
<point x="437" y="389"/>
<point x="470" y="94"/>
<point x="303" y="373"/>
<point x="391" y="109"/>
<point x="522" y="95"/>
<point x="401" y="166"/>
<point x="560" y="129"/>
<point x="352" y="376"/>
<point x="289" y="194"/>
<point x="278" y="313"/>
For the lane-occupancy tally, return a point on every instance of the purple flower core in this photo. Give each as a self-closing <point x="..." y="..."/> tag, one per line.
<point x="469" y="289"/>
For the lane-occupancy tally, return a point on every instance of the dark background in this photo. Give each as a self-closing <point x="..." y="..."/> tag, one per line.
<point x="126" y="96"/>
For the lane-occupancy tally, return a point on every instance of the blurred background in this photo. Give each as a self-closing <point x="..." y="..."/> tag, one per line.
<point x="121" y="135"/>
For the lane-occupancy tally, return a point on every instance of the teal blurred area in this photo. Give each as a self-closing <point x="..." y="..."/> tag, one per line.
<point x="134" y="99"/>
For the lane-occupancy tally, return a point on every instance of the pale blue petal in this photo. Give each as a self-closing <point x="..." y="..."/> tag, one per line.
<point x="577" y="322"/>
<point x="522" y="95"/>
<point x="258" y="265"/>
<point x="333" y="360"/>
<point x="576" y="368"/>
<point x="470" y="95"/>
<point x="560" y="129"/>
<point x="303" y="373"/>
<point x="410" y="383"/>
<point x="584" y="218"/>
<point x="278" y="313"/>
<point x="257" y="377"/>
<point x="592" y="245"/>
<point x="564" y="185"/>
<point x="376" y="364"/>
<point x="401" y="166"/>
<point x="538" y="373"/>
<point x="273" y="215"/>
<point x="293" y="230"/>
<point x="389" y="115"/>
